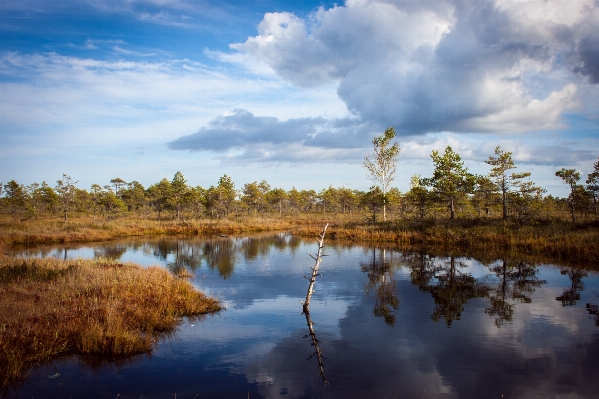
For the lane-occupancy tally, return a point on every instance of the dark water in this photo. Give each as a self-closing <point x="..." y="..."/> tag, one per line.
<point x="386" y="324"/>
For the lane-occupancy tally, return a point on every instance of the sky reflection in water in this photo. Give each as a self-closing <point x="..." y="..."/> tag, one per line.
<point x="388" y="324"/>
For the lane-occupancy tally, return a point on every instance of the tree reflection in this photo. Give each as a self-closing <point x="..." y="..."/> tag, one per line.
<point x="251" y="247"/>
<point x="593" y="312"/>
<point x="517" y="280"/>
<point x="422" y="269"/>
<point x="114" y="252"/>
<point x="306" y="304"/>
<point x="380" y="281"/>
<point x="220" y="254"/>
<point x="571" y="295"/>
<point x="314" y="342"/>
<point x="187" y="255"/>
<point x="450" y="288"/>
<point x="453" y="289"/>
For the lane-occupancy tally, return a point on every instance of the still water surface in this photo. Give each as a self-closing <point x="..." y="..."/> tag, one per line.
<point x="382" y="323"/>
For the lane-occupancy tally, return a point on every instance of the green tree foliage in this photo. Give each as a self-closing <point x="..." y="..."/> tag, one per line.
<point x="134" y="196"/>
<point x="527" y="201"/>
<point x="593" y="185"/>
<point x="373" y="200"/>
<point x="105" y="202"/>
<point x="158" y="196"/>
<point x="348" y="199"/>
<point x="178" y="194"/>
<point x="382" y="164"/>
<point x="328" y="199"/>
<point x="277" y="198"/>
<point x="451" y="181"/>
<point x="197" y="201"/>
<point x="118" y="183"/>
<point x="16" y="195"/>
<point x="571" y="178"/>
<point x="504" y="182"/>
<point x="253" y="195"/>
<point x="226" y="193"/>
<point x="66" y="190"/>
<point x="418" y="197"/>
<point x="485" y="195"/>
<point x="35" y="202"/>
<point x="49" y="198"/>
<point x="295" y="200"/>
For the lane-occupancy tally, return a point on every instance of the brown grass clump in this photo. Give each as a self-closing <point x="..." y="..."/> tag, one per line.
<point x="50" y="307"/>
<point x="562" y="241"/>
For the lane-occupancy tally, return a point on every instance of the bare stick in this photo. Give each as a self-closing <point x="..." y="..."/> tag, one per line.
<point x="318" y="259"/>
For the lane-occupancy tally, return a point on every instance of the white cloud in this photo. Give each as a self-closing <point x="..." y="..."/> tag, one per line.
<point x="464" y="66"/>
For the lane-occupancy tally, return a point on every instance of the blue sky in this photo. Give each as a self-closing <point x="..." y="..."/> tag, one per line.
<point x="293" y="92"/>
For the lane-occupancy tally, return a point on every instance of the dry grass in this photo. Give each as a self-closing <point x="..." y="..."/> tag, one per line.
<point x="50" y="307"/>
<point x="559" y="240"/>
<point x="85" y="229"/>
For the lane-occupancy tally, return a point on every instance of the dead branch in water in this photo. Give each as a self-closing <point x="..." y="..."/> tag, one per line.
<point x="306" y="303"/>
<point x="315" y="273"/>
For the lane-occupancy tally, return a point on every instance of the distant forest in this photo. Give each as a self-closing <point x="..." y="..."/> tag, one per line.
<point x="451" y="192"/>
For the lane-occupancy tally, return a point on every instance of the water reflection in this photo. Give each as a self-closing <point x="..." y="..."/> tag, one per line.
<point x="572" y="294"/>
<point x="517" y="280"/>
<point x="305" y="305"/>
<point x="114" y="252"/>
<point x="381" y="283"/>
<point x="315" y="343"/>
<point x="449" y="286"/>
<point x="256" y="345"/>
<point x="593" y="312"/>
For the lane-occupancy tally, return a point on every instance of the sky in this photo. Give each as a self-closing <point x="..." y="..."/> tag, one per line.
<point x="293" y="92"/>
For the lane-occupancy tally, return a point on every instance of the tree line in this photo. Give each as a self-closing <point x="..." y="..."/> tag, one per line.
<point x="451" y="190"/>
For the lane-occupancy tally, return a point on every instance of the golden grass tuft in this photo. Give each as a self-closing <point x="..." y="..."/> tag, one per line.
<point x="50" y="307"/>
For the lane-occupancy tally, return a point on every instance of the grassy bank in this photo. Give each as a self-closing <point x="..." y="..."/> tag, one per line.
<point x="554" y="239"/>
<point x="50" y="307"/>
<point x="86" y="229"/>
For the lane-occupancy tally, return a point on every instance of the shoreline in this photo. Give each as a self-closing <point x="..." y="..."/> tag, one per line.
<point x="552" y="238"/>
<point x="52" y="307"/>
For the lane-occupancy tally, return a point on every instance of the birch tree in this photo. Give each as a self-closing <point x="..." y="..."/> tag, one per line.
<point x="382" y="164"/>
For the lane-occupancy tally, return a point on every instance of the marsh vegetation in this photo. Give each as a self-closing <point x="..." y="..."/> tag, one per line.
<point x="51" y="307"/>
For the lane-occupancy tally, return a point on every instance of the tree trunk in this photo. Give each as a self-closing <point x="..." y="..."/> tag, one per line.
<point x="452" y="208"/>
<point x="384" y="211"/>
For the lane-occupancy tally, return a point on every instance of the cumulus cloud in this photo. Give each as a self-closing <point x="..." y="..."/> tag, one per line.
<point x="246" y="137"/>
<point x="447" y="65"/>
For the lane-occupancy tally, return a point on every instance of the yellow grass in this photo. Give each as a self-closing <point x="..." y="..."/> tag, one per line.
<point x="50" y="307"/>
<point x="86" y="229"/>
<point x="558" y="240"/>
<point x="551" y="237"/>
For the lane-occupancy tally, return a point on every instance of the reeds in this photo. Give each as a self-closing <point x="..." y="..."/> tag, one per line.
<point x="558" y="240"/>
<point x="50" y="307"/>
